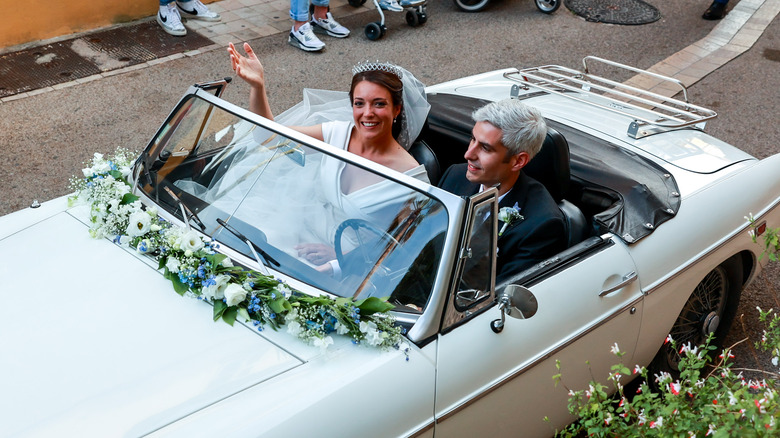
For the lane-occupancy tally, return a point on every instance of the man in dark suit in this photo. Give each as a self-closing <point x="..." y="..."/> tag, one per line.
<point x="506" y="136"/>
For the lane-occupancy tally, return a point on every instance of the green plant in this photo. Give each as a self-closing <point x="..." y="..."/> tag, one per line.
<point x="710" y="398"/>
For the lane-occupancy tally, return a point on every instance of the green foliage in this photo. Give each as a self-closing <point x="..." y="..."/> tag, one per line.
<point x="708" y="399"/>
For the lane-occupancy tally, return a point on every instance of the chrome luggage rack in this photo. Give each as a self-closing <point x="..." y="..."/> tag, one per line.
<point x="652" y="112"/>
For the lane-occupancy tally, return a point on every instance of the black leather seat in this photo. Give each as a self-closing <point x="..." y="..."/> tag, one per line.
<point x="551" y="168"/>
<point x="425" y="156"/>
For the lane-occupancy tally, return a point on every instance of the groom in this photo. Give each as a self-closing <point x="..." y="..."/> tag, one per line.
<point x="506" y="136"/>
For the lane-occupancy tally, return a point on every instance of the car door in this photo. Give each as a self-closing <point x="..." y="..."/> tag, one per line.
<point x="587" y="300"/>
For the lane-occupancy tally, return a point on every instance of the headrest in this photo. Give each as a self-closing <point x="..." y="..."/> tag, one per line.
<point x="551" y="165"/>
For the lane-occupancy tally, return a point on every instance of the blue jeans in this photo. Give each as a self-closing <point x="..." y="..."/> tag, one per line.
<point x="299" y="9"/>
<point x="165" y="2"/>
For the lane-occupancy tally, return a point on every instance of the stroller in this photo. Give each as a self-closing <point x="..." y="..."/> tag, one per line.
<point x="546" y="6"/>
<point x="415" y="15"/>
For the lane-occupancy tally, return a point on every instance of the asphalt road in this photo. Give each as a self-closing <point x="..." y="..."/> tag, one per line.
<point x="46" y="138"/>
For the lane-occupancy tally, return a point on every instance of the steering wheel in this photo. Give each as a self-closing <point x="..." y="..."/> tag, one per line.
<point x="357" y="224"/>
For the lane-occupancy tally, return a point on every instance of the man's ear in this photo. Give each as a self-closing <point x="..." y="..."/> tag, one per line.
<point x="519" y="161"/>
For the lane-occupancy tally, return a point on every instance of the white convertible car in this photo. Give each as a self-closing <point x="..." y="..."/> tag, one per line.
<point x="95" y="343"/>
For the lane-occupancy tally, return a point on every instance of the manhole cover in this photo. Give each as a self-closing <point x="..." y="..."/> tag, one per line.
<point x="614" y="11"/>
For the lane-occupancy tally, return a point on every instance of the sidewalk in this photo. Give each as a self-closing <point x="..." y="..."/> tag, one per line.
<point x="44" y="66"/>
<point x="244" y="20"/>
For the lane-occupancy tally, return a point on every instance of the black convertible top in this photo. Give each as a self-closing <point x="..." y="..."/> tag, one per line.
<point x="624" y="193"/>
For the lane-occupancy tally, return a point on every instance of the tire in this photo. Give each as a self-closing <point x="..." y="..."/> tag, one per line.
<point x="471" y="5"/>
<point x="548" y="6"/>
<point x="422" y="17"/>
<point x="373" y="31"/>
<point x="716" y="296"/>
<point x="412" y="19"/>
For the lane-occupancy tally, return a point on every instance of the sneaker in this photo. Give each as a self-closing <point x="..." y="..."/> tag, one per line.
<point x="170" y="20"/>
<point x="304" y="39"/>
<point x="196" y="10"/>
<point x="390" y="5"/>
<point x="329" y="26"/>
<point x="411" y="3"/>
<point x="716" y="11"/>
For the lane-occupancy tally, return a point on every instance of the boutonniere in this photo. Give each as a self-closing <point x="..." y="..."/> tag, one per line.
<point x="509" y="216"/>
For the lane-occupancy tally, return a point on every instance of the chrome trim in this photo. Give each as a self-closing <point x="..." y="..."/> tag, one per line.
<point x="539" y="358"/>
<point x="424" y="429"/>
<point x="692" y="262"/>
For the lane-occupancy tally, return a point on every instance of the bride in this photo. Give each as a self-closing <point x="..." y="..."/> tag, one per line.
<point x="388" y="109"/>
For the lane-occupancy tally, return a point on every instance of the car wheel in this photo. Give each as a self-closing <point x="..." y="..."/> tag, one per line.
<point x="471" y="5"/>
<point x="710" y="309"/>
<point x="548" y="6"/>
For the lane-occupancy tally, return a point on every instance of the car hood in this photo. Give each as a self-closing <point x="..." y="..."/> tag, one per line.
<point x="95" y="343"/>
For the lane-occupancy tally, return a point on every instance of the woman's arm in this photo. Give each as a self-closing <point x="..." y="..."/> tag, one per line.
<point x="251" y="70"/>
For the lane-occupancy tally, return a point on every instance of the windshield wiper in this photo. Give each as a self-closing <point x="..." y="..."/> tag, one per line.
<point x="261" y="256"/>
<point x="185" y="210"/>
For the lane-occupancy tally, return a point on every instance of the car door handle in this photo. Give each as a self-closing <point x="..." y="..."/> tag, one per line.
<point x="627" y="279"/>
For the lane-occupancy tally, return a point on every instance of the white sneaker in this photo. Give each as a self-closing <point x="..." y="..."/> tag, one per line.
<point x="411" y="3"/>
<point x="170" y="20"/>
<point x="304" y="39"/>
<point x="390" y="5"/>
<point x="329" y="26"/>
<point x="196" y="10"/>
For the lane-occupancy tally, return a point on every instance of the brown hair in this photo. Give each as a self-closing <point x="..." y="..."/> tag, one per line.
<point x="387" y="80"/>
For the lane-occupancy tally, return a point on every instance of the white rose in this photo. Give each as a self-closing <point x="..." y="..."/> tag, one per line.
<point x="190" y="241"/>
<point x="294" y="328"/>
<point x="88" y="172"/>
<point x="140" y="224"/>
<point x="234" y="294"/>
<point x="216" y="291"/>
<point x="227" y="263"/>
<point x="173" y="264"/>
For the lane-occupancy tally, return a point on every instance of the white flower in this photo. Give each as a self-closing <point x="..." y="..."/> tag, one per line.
<point x="615" y="349"/>
<point x="145" y="246"/>
<point x="234" y="294"/>
<point x="323" y="342"/>
<point x="509" y="216"/>
<point x="173" y="264"/>
<point x="774" y="361"/>
<point x="294" y="328"/>
<point x="140" y="224"/>
<point x="341" y="329"/>
<point x="190" y="241"/>
<point x="216" y="291"/>
<point x="227" y="263"/>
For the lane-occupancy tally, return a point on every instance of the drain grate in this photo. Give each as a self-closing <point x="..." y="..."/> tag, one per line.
<point x="615" y="11"/>
<point x="86" y="55"/>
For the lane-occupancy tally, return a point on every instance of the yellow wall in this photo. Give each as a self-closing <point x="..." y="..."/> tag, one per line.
<point x="32" y="20"/>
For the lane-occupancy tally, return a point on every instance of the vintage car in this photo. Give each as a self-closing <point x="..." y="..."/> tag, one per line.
<point x="658" y="245"/>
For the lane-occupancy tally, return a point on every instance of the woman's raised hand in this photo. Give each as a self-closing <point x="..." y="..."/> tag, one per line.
<point x="247" y="67"/>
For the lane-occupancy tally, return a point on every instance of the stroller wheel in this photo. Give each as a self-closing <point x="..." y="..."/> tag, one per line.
<point x="412" y="19"/>
<point x="374" y="31"/>
<point x="356" y="3"/>
<point x="548" y="6"/>
<point x="422" y="16"/>
<point x="475" y="5"/>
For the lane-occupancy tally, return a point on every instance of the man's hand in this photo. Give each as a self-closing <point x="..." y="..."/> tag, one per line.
<point x="316" y="253"/>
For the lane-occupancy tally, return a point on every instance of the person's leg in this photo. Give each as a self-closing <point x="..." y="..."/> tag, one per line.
<point x="322" y="20"/>
<point x="716" y="11"/>
<point x="196" y="10"/>
<point x="169" y="19"/>
<point x="301" y="34"/>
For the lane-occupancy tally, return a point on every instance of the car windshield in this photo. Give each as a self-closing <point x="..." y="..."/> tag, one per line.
<point x="307" y="214"/>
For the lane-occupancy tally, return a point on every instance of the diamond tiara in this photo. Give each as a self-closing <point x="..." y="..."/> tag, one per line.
<point x="365" y="66"/>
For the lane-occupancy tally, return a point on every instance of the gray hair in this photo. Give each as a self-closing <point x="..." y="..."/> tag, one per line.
<point x="523" y="127"/>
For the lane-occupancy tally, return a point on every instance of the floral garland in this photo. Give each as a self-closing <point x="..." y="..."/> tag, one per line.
<point x="194" y="267"/>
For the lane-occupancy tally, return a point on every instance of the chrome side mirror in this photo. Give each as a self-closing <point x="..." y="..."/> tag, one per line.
<point x="517" y="302"/>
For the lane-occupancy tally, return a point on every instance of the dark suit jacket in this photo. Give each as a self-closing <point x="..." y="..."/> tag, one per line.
<point x="540" y="235"/>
